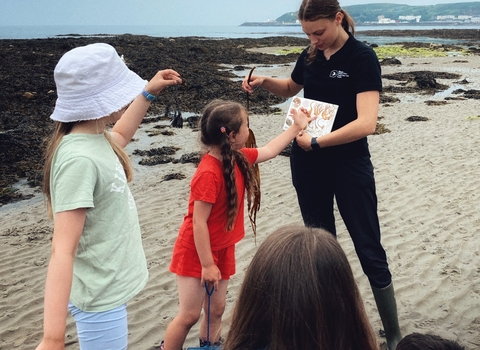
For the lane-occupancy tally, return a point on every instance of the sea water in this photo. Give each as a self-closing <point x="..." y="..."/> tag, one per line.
<point x="215" y="32"/>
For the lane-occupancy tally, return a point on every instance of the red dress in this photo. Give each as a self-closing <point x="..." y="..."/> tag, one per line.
<point x="208" y="185"/>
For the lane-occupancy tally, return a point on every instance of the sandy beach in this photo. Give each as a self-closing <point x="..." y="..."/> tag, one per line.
<point x="428" y="184"/>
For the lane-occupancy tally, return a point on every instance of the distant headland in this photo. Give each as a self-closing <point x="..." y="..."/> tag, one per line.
<point x="461" y="13"/>
<point x="359" y="24"/>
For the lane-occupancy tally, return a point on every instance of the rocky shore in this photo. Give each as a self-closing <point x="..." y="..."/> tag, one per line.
<point x="27" y="96"/>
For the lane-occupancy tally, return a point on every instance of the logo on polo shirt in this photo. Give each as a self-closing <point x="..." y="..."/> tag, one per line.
<point x="339" y="74"/>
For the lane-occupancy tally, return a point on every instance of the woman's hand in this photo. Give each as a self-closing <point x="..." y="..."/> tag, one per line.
<point x="162" y="79"/>
<point x="211" y="275"/>
<point x="304" y="140"/>
<point x="255" y="81"/>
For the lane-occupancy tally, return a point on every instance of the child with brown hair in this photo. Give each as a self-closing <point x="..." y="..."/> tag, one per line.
<point x="97" y="262"/>
<point x="299" y="293"/>
<point x="205" y="248"/>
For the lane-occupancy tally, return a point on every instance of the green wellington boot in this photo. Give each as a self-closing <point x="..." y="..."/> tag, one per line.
<point x="387" y="308"/>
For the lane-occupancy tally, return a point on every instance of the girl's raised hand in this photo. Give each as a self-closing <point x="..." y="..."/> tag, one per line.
<point x="162" y="79"/>
<point x="301" y="118"/>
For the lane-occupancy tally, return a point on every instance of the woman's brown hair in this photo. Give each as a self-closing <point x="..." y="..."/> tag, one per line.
<point x="220" y="114"/>
<point x="299" y="293"/>
<point x="313" y="10"/>
<point x="60" y="130"/>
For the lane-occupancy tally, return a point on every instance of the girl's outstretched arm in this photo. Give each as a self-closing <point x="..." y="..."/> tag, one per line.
<point x="210" y="272"/>
<point x="67" y="230"/>
<point x="278" y="144"/>
<point x="125" y="128"/>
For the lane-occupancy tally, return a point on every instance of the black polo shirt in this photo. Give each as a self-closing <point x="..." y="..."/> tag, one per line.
<point x="351" y="70"/>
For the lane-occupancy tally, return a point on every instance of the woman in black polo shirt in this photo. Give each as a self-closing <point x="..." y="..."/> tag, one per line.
<point x="338" y="69"/>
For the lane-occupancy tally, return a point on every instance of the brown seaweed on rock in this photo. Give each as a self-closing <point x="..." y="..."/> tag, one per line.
<point x="166" y="150"/>
<point x="155" y="160"/>
<point x="27" y="97"/>
<point x="174" y="176"/>
<point x="193" y="157"/>
<point x="416" y="118"/>
<point x="413" y="82"/>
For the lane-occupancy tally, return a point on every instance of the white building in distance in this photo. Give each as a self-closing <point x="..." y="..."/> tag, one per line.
<point x="384" y="20"/>
<point x="410" y="18"/>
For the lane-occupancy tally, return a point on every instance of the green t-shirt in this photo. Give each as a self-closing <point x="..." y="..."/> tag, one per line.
<point x="110" y="265"/>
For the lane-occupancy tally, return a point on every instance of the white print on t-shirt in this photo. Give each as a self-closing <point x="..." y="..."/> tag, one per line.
<point x="119" y="188"/>
<point x="338" y="74"/>
<point x="131" y="202"/>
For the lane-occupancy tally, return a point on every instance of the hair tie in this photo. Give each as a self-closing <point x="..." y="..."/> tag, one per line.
<point x="222" y="129"/>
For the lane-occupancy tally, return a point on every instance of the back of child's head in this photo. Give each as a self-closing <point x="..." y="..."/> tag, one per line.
<point x="299" y="293"/>
<point x="418" y="341"/>
<point x="220" y="117"/>
<point x="93" y="82"/>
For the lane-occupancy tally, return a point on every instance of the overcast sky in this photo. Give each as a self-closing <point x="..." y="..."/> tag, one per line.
<point x="159" y="12"/>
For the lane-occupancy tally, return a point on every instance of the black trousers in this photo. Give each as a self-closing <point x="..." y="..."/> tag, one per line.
<point x="318" y="179"/>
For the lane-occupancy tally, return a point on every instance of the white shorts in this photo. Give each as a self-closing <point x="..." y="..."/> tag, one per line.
<point x="107" y="330"/>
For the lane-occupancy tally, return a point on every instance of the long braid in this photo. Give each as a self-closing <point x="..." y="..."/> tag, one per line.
<point x="228" y="160"/>
<point x="219" y="118"/>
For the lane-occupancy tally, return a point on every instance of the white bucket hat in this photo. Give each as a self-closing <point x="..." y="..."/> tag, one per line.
<point x="93" y="82"/>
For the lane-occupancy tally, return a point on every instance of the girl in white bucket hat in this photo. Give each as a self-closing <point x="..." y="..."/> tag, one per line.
<point x="97" y="262"/>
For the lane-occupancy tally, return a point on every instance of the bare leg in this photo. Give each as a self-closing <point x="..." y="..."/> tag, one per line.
<point x="217" y="307"/>
<point x="191" y="295"/>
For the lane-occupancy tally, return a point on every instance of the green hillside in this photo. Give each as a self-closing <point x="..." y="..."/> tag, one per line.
<point x="370" y="12"/>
